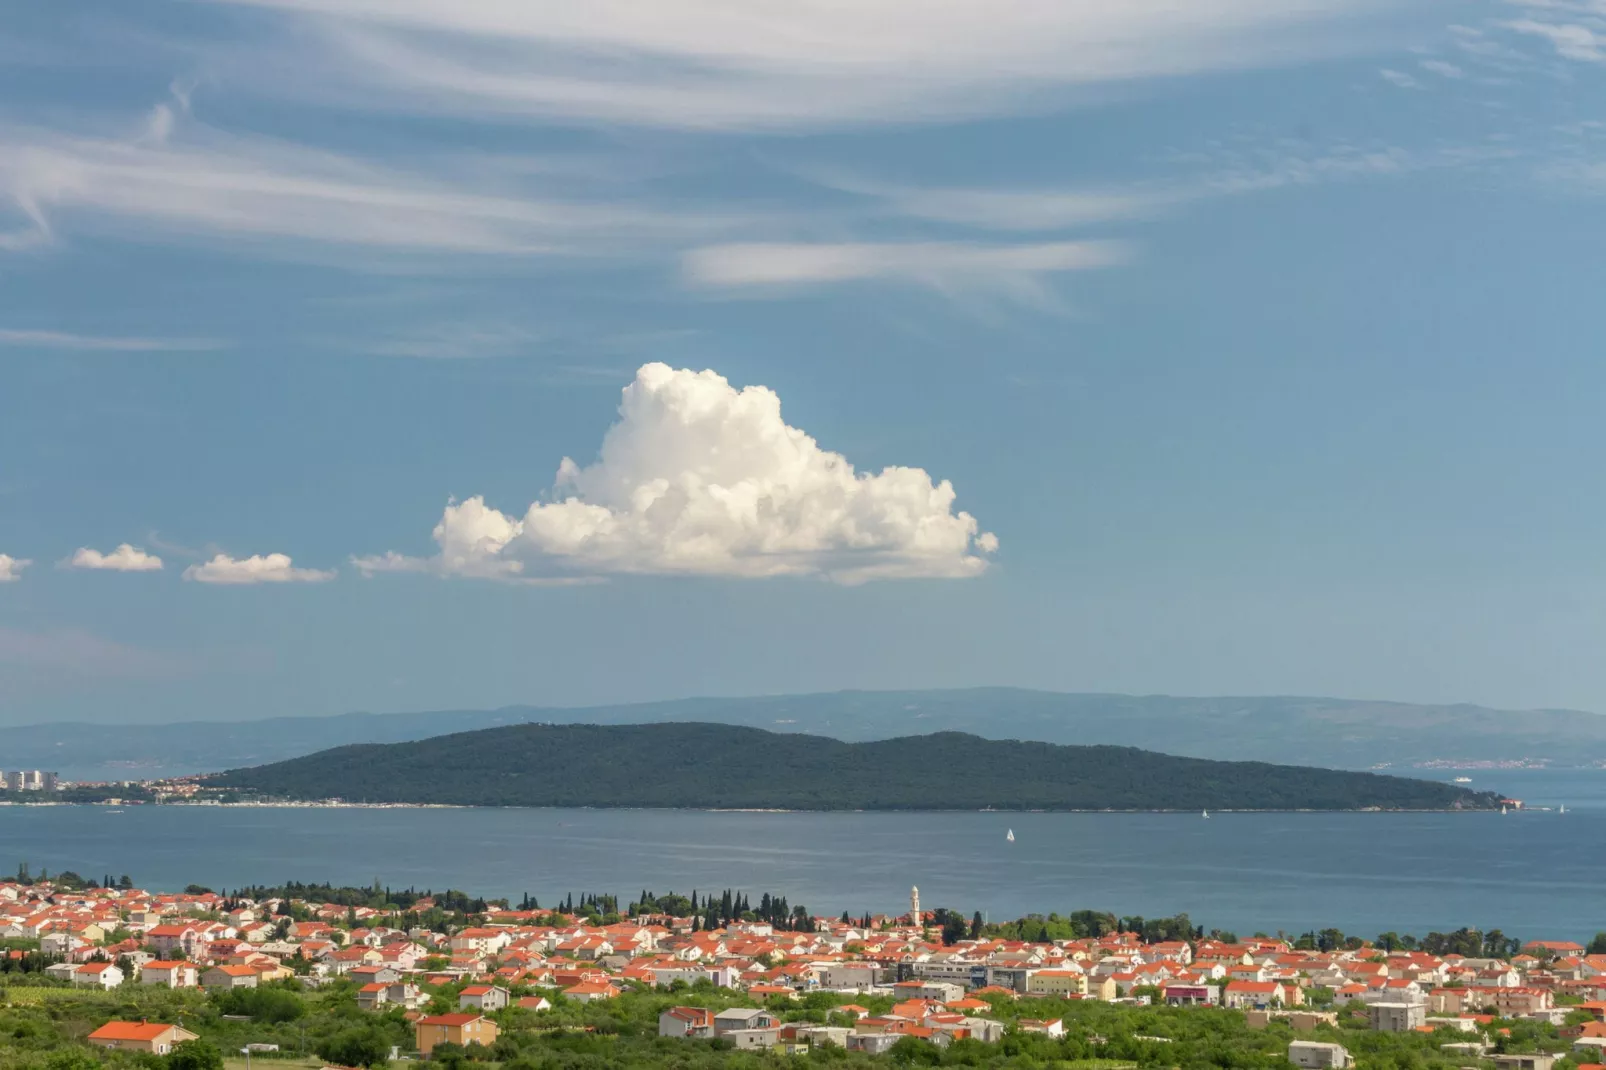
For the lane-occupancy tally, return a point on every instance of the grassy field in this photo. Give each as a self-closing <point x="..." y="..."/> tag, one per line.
<point x="27" y="996"/>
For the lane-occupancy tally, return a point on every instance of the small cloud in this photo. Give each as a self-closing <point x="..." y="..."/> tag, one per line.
<point x="1038" y="209"/>
<point x="1571" y="40"/>
<point x="11" y="568"/>
<point x="1399" y="78"/>
<point x="699" y="478"/>
<point x="159" y="124"/>
<point x="259" y="568"/>
<point x="1442" y="68"/>
<point x="123" y="559"/>
<point x="946" y="266"/>
<point x="457" y="342"/>
<point x="89" y="343"/>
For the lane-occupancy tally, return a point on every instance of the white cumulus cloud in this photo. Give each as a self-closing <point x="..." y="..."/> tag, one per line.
<point x="123" y="559"/>
<point x="11" y="568"/>
<point x="699" y="478"/>
<point x="258" y="568"/>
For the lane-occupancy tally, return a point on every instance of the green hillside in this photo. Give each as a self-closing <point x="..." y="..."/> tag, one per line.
<point x="722" y="766"/>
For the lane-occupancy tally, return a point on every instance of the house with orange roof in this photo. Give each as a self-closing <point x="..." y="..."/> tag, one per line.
<point x="462" y="1029"/>
<point x="1057" y="982"/>
<point x="914" y="1009"/>
<point x="224" y="978"/>
<point x="996" y="990"/>
<point x="1053" y="1027"/>
<point x="484" y="998"/>
<point x="591" y="991"/>
<point x="686" y="1022"/>
<point x="1595" y="1030"/>
<point x="105" y="975"/>
<point x="968" y="1005"/>
<point x="371" y="997"/>
<point x="185" y="940"/>
<point x="169" y="973"/>
<point x="1242" y="995"/>
<point x="154" y="1038"/>
<point x="377" y="996"/>
<point x="483" y="941"/>
<point x="1520" y="1002"/>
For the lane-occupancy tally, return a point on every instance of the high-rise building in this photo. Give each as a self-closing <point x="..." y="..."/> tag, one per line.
<point x="30" y="780"/>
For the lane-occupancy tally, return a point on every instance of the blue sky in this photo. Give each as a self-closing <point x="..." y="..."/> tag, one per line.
<point x="1227" y="347"/>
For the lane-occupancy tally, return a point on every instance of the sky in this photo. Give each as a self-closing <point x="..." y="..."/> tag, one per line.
<point x="450" y="354"/>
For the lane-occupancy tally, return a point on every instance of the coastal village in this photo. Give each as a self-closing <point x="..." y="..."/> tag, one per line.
<point x="892" y="978"/>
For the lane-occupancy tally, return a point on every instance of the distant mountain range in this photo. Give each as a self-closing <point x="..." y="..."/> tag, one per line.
<point x="1334" y="733"/>
<point x="721" y="766"/>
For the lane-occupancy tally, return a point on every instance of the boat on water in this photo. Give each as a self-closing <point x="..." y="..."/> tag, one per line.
<point x="1502" y="809"/>
<point x="1562" y="809"/>
<point x="1010" y="835"/>
<point x="1463" y="780"/>
<point x="1206" y="815"/>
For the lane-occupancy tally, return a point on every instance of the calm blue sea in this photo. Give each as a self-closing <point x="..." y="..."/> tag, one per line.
<point x="1535" y="874"/>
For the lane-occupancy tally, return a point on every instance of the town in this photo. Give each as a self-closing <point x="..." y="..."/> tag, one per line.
<point x="424" y="976"/>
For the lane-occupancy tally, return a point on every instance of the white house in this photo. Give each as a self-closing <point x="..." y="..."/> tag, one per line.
<point x="1312" y="1055"/>
<point x="98" y="975"/>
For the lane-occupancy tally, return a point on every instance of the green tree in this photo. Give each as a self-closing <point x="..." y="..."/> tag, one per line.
<point x="195" y="1055"/>
<point x="266" y="1004"/>
<point x="356" y="1047"/>
<point x="1597" y="946"/>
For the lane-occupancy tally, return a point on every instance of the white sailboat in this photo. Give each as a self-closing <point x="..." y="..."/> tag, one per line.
<point x="1563" y="809"/>
<point x="1010" y="835"/>
<point x="1502" y="809"/>
<point x="1207" y="815"/>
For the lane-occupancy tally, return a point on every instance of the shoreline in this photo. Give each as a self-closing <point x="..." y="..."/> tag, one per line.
<point x="332" y="804"/>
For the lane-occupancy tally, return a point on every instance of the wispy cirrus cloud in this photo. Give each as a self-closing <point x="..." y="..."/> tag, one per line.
<point x="211" y="185"/>
<point x="94" y="343"/>
<point x="1207" y="176"/>
<point x="740" y="64"/>
<point x="1571" y="40"/>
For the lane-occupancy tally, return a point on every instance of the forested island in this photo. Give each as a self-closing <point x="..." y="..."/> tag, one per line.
<point x="714" y="766"/>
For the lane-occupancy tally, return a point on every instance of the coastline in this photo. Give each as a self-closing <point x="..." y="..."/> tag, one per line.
<point x="335" y="804"/>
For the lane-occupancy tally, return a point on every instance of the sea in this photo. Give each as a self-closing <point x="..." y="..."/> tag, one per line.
<point x="1535" y="873"/>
